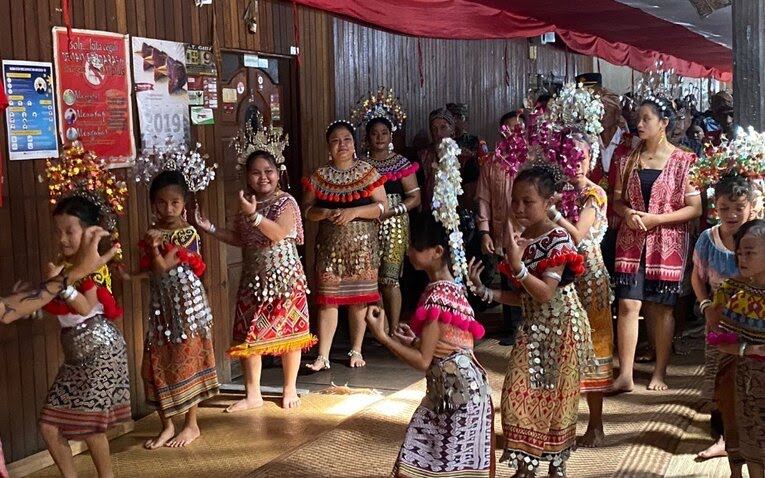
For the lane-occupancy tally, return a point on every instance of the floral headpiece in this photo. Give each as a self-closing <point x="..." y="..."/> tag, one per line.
<point x="268" y="139"/>
<point x="382" y="104"/>
<point x="577" y="108"/>
<point x="78" y="172"/>
<point x="512" y="150"/>
<point x="190" y="163"/>
<point x="444" y="204"/>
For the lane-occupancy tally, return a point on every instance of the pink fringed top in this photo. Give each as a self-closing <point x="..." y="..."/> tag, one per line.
<point x="446" y="301"/>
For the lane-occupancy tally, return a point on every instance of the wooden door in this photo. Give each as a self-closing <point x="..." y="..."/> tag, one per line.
<point x="270" y="90"/>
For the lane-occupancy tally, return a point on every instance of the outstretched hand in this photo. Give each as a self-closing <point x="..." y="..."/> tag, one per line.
<point x="514" y="247"/>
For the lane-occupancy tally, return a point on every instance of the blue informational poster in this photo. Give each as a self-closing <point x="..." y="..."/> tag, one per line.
<point x="31" y="113"/>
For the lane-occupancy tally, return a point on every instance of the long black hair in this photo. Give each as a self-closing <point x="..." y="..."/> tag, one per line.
<point x="168" y="179"/>
<point x="82" y="208"/>
<point x="426" y="232"/>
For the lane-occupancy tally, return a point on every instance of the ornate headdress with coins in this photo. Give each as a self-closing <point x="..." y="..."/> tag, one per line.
<point x="269" y="139"/>
<point x="78" y="172"/>
<point x="173" y="157"/>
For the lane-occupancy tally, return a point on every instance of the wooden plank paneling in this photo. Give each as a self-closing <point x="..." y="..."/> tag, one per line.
<point x="467" y="71"/>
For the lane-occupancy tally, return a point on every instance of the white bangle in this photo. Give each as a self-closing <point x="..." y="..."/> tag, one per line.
<point x="552" y="275"/>
<point x="68" y="293"/>
<point x="704" y="305"/>
<point x="742" y="349"/>
<point x="382" y="208"/>
<point x="73" y="296"/>
<point x="558" y="216"/>
<point x="411" y="191"/>
<point x="257" y="220"/>
<point x="522" y="274"/>
<point x="212" y="229"/>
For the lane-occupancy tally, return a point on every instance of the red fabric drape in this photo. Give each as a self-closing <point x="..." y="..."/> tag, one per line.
<point x="604" y="28"/>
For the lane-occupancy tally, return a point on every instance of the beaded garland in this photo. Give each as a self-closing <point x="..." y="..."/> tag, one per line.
<point x="394" y="167"/>
<point x="341" y="186"/>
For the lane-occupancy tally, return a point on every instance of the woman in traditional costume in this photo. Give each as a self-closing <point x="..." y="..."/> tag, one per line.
<point x="657" y="203"/>
<point x="540" y="396"/>
<point x="347" y="199"/>
<point x="381" y="115"/>
<point x="272" y="306"/>
<point x="451" y="432"/>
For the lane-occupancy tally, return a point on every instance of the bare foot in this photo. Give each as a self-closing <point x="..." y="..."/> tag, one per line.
<point x="592" y="438"/>
<point x="717" y="449"/>
<point x="622" y="385"/>
<point x="290" y="399"/>
<point x="187" y="435"/>
<point x="321" y="363"/>
<point x="245" y="404"/>
<point x="357" y="360"/>
<point x="657" y="384"/>
<point x="164" y="436"/>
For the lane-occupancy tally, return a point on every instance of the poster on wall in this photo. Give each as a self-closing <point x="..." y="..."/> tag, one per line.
<point x="31" y="114"/>
<point x="161" y="85"/>
<point x="203" y="77"/>
<point x="94" y="90"/>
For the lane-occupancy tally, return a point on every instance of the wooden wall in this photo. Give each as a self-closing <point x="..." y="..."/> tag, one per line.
<point x="464" y="71"/>
<point x="29" y="350"/>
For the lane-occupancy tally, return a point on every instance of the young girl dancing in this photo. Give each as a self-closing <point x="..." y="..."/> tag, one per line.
<point x="451" y="433"/>
<point x="92" y="389"/>
<point x="178" y="363"/>
<point x="739" y="303"/>
<point x="587" y="230"/>
<point x="713" y="262"/>
<point x="540" y="395"/>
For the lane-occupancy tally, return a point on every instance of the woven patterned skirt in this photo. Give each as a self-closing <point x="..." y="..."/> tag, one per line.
<point x="539" y="409"/>
<point x="595" y="295"/>
<point x="750" y="409"/>
<point x="451" y="432"/>
<point x="274" y="328"/>
<point x="347" y="260"/>
<point x="92" y="389"/>
<point x="394" y="240"/>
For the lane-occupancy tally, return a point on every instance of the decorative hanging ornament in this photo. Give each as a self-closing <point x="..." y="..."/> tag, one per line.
<point x="77" y="172"/>
<point x="448" y="187"/>
<point x="174" y="157"/>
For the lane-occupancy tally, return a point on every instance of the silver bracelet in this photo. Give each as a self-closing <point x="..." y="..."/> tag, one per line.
<point x="382" y="208"/>
<point x="411" y="191"/>
<point x="552" y="275"/>
<point x="742" y="349"/>
<point x="558" y="216"/>
<point x="69" y="293"/>
<point x="522" y="274"/>
<point x="258" y="219"/>
<point x="212" y="229"/>
<point x="704" y="305"/>
<point x="401" y="209"/>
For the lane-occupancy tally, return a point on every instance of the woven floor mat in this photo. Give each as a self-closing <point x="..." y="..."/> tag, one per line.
<point x="643" y="429"/>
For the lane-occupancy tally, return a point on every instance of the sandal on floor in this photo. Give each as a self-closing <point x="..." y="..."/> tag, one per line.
<point x="325" y="365"/>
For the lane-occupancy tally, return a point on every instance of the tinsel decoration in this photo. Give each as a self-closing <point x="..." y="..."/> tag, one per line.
<point x="382" y="104"/>
<point x="77" y="172"/>
<point x="190" y="163"/>
<point x="742" y="155"/>
<point x="448" y="187"/>
<point x="268" y="139"/>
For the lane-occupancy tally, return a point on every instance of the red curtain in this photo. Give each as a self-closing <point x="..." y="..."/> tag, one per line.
<point x="604" y="28"/>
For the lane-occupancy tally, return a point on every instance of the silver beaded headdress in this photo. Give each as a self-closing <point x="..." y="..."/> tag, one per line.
<point x="172" y="157"/>
<point x="269" y="139"/>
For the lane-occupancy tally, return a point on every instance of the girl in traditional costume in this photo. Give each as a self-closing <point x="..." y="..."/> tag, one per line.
<point x="738" y="306"/>
<point x="92" y="389"/>
<point x="587" y="227"/>
<point x="347" y="199"/>
<point x="272" y="306"/>
<point x="540" y="395"/>
<point x="179" y="361"/>
<point x="381" y="115"/>
<point x="656" y="201"/>
<point x="451" y="432"/>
